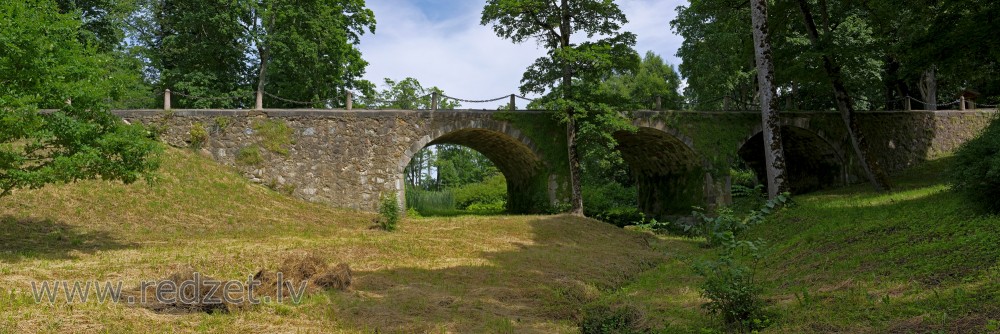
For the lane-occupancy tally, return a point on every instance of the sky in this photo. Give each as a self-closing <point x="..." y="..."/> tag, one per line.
<point x="441" y="43"/>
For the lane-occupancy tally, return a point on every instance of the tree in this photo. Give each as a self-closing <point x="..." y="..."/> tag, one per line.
<point x="845" y="105"/>
<point x="570" y="70"/>
<point x="43" y="64"/>
<point x="406" y="94"/>
<point x="307" y="51"/>
<point x="640" y="88"/>
<point x="199" y="48"/>
<point x="774" y="153"/>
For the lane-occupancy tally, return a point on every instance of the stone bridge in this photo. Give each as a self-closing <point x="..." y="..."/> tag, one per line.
<point x="679" y="159"/>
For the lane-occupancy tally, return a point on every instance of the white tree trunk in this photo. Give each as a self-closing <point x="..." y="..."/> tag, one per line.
<point x="773" y="151"/>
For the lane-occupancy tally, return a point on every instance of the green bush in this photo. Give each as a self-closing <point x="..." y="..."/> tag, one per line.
<point x="744" y="177"/>
<point x="975" y="173"/>
<point x="613" y="203"/>
<point x="389" y="213"/>
<point x="199" y="135"/>
<point x="487" y="208"/>
<point x="614" y="319"/>
<point x="733" y="292"/>
<point x="491" y="191"/>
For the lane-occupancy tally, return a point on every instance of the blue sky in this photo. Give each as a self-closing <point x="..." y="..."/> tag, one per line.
<point x="441" y="43"/>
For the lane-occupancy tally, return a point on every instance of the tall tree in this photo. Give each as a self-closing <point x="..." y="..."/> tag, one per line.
<point x="307" y="51"/>
<point x="43" y="64"/>
<point x="654" y="78"/>
<point x="199" y="48"/>
<point x="845" y="105"/>
<point x="774" y="152"/>
<point x="553" y="24"/>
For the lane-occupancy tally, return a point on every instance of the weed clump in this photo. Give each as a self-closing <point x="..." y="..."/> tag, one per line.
<point x="198" y="134"/>
<point x="615" y="318"/>
<point x="249" y="156"/>
<point x="389" y="213"/>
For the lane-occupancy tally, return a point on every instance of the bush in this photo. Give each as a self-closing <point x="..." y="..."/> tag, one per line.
<point x="487" y="208"/>
<point x="732" y="290"/>
<point x="199" y="135"/>
<point x="975" y="173"/>
<point x="388" y="213"/>
<point x="612" y="203"/>
<point x="617" y="319"/>
<point x="491" y="191"/>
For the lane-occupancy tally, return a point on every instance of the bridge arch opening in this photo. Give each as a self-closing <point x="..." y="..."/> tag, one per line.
<point x="514" y="157"/>
<point x="668" y="174"/>
<point x="811" y="162"/>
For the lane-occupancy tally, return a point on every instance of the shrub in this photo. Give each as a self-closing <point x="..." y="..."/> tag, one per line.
<point x="491" y="191"/>
<point x="199" y="135"/>
<point x="487" y="208"/>
<point x="616" y="318"/>
<point x="276" y="136"/>
<point x="975" y="173"/>
<point x="388" y="213"/>
<point x="249" y="156"/>
<point x="744" y="177"/>
<point x="613" y="203"/>
<point x="732" y="290"/>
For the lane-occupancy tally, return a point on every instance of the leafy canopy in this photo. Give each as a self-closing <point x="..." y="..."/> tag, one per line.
<point x="43" y="64"/>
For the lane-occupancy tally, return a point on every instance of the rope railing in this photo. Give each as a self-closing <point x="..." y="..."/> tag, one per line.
<point x="435" y="99"/>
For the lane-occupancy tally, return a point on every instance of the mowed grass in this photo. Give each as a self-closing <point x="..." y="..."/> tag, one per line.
<point x="852" y="260"/>
<point x="506" y="274"/>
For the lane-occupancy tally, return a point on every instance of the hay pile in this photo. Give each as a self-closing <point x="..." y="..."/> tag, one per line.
<point x="198" y="293"/>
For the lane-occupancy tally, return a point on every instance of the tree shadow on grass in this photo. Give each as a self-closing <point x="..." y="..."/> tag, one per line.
<point x="29" y="238"/>
<point x="529" y="288"/>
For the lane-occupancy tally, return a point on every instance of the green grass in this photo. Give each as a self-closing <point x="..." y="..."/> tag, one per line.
<point x="851" y="260"/>
<point x="468" y="274"/>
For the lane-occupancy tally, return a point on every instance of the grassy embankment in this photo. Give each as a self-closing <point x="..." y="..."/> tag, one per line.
<point x="848" y="260"/>
<point x="462" y="274"/>
<point x="851" y="260"/>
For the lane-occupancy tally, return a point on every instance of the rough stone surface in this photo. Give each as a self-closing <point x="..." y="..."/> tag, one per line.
<point x="680" y="159"/>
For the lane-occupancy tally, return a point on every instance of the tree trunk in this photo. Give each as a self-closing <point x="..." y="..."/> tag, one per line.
<point x="928" y="88"/>
<point x="773" y="150"/>
<point x="873" y="171"/>
<point x="576" y="190"/>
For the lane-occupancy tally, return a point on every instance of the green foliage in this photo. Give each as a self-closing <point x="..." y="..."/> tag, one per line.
<point x="491" y="191"/>
<point x="638" y="89"/>
<point x="494" y="208"/>
<point x="625" y="318"/>
<point x="732" y="289"/>
<point x="43" y="64"/>
<point x="613" y="203"/>
<point x="249" y="156"/>
<point x="389" y="213"/>
<point x="725" y="224"/>
<point x="275" y="135"/>
<point x="407" y="94"/>
<point x="198" y="135"/>
<point x="222" y="123"/>
<point x="730" y="285"/>
<point x="430" y="202"/>
<point x="975" y="172"/>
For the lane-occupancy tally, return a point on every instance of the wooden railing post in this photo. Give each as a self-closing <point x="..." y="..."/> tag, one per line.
<point x="909" y="106"/>
<point x="166" y="99"/>
<point x="961" y="103"/>
<point x="513" y="103"/>
<point x="434" y="101"/>
<point x="350" y="100"/>
<point x="659" y="103"/>
<point x="727" y="103"/>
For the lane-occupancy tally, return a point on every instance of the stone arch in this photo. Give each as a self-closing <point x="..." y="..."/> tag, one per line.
<point x="812" y="160"/>
<point x="670" y="175"/>
<point x="514" y="154"/>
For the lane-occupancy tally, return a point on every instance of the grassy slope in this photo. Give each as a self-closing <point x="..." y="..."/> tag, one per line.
<point x="851" y="260"/>
<point x="463" y="274"/>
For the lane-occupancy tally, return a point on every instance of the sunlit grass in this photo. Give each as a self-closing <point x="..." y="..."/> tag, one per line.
<point x="458" y="274"/>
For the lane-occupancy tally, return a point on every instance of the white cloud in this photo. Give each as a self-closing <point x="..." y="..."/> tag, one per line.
<point x="467" y="60"/>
